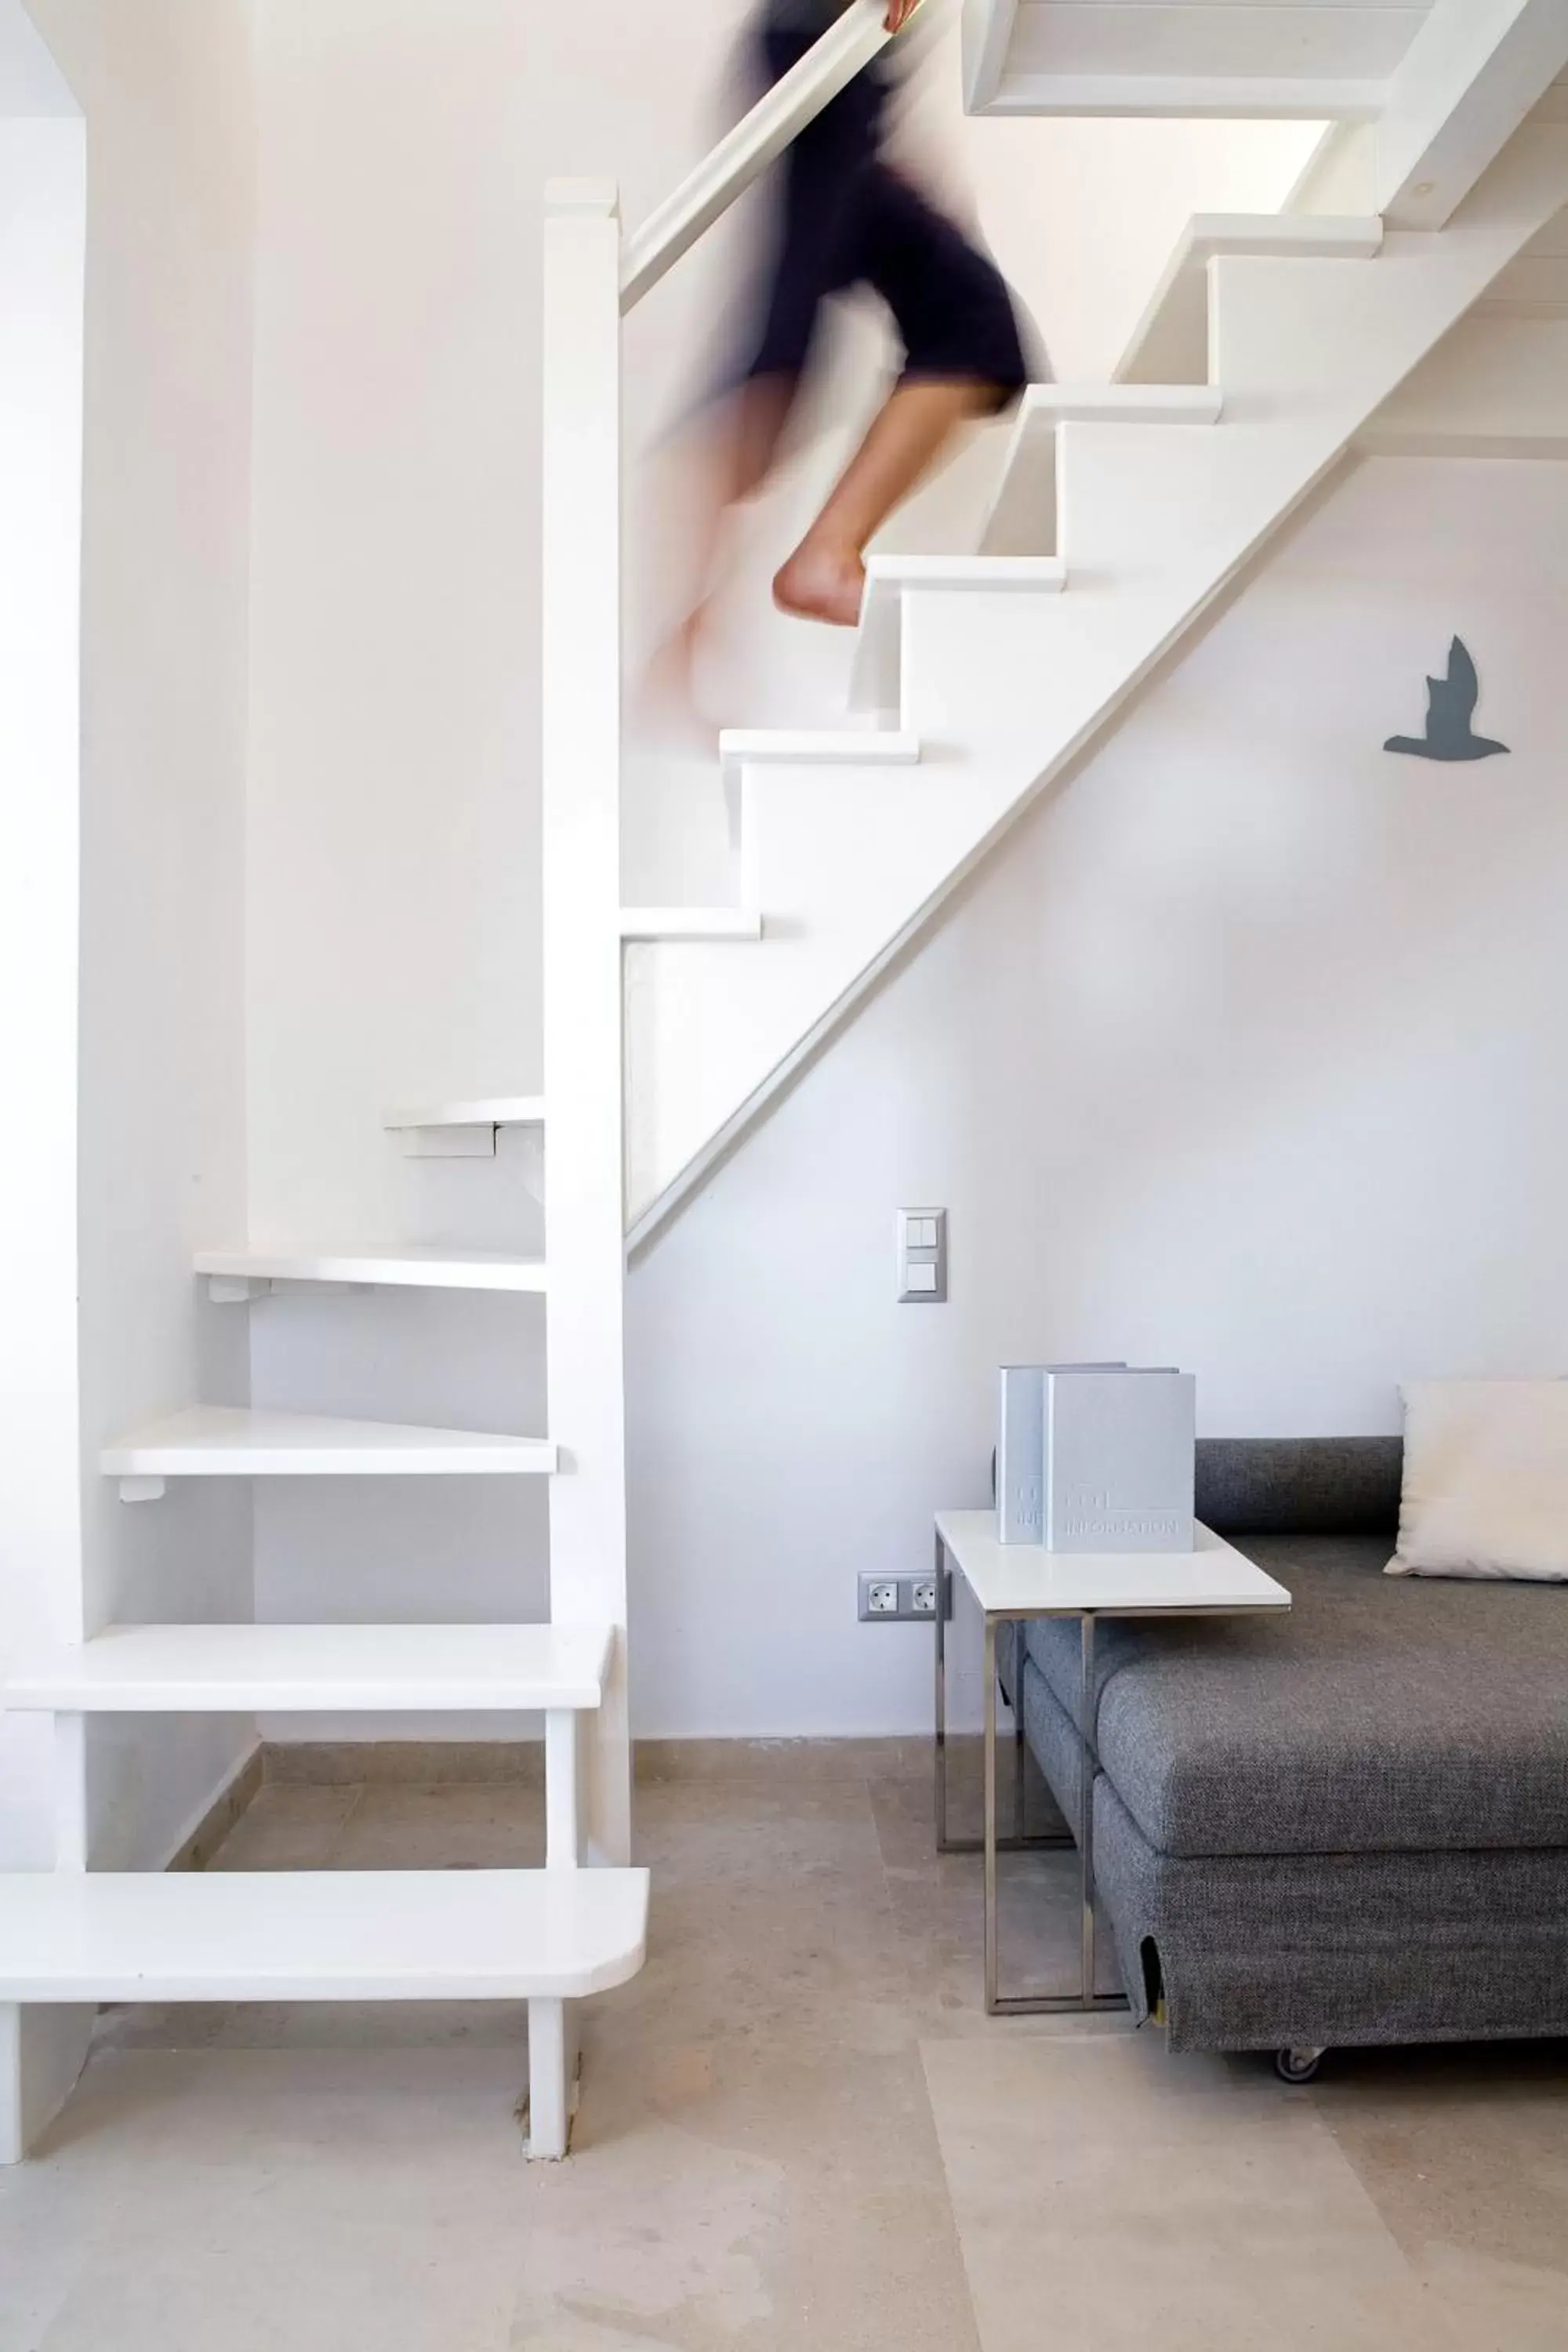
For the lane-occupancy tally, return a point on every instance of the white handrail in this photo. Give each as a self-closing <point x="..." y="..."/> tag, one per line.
<point x="777" y="118"/>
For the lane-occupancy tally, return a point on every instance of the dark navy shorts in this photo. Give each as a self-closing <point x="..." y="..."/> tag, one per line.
<point x="847" y="218"/>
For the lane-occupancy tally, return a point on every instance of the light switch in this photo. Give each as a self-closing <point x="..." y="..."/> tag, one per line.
<point x="922" y="1258"/>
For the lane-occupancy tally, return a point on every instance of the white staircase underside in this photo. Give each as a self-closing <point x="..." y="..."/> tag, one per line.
<point x="306" y="1669"/>
<point x="1496" y="387"/>
<point x="481" y="1935"/>
<point x="1321" y="61"/>
<point x="238" y="1442"/>
<point x="1429" y="91"/>
<point x="1005" y="690"/>
<point x="415" y="1269"/>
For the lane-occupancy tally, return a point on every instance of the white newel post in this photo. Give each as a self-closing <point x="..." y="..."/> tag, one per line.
<point x="585" y="1225"/>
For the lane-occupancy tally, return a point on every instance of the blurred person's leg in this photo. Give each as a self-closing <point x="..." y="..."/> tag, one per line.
<point x="740" y="435"/>
<point x="963" y="358"/>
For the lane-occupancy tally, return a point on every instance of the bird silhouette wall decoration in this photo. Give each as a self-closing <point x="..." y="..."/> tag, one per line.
<point x="1450" y="708"/>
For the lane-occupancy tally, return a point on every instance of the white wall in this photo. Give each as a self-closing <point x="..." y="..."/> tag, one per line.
<point x="43" y="237"/>
<point x="392" y="912"/>
<point x="166" y="88"/>
<point x="1245" y="1053"/>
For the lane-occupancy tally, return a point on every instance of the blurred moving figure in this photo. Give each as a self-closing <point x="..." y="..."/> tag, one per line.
<point x="845" y="216"/>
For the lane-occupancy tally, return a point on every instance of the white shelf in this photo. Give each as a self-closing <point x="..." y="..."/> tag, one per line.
<point x="456" y="1935"/>
<point x="1170" y="345"/>
<point x="486" y="1110"/>
<point x="461" y="1130"/>
<point x="234" y="1442"/>
<point x="690" y="923"/>
<point x="306" y="1669"/>
<point x="237" y="1273"/>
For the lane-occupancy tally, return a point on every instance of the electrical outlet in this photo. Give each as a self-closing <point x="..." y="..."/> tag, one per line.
<point x="897" y="1600"/>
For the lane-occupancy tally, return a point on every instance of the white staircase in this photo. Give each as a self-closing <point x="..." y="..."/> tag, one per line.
<point x="1119" y="514"/>
<point x="76" y="1936"/>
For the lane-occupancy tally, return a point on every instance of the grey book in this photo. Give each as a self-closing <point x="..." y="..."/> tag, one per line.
<point x="1118" y="1451"/>
<point x="1020" y="1448"/>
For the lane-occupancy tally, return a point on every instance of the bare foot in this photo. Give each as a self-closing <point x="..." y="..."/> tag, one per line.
<point x="822" y="583"/>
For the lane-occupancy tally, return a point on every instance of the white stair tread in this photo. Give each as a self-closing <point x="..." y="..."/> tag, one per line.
<point x="888" y="573"/>
<point x="690" y="923"/>
<point x="249" y="1442"/>
<point x="458" y="1935"/>
<point x="1046" y="405"/>
<point x="419" y="1269"/>
<point x="247" y="1669"/>
<point x="486" y="1110"/>
<point x="874" y="746"/>
<point x="1170" y="342"/>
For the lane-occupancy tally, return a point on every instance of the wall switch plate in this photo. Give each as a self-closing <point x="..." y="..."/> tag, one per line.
<point x="922" y="1258"/>
<point x="898" y="1600"/>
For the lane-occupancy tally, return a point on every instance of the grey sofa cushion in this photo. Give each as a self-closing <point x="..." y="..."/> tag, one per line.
<point x="1382" y="1714"/>
<point x="1300" y="1485"/>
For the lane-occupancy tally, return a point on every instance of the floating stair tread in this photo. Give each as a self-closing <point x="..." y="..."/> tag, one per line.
<point x="458" y="1935"/>
<point x="690" y="923"/>
<point x="785" y="747"/>
<point x="487" y="1110"/>
<point x="417" y="1269"/>
<point x="287" y="1669"/>
<point x="1170" y="342"/>
<point x="239" y="1442"/>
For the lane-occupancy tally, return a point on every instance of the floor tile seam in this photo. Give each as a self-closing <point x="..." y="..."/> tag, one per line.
<point x="341" y="1828"/>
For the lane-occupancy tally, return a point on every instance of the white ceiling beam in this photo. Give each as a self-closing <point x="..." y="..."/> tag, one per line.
<point x="1469" y="77"/>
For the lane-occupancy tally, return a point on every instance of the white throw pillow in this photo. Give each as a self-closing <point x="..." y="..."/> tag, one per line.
<point x="1486" y="1480"/>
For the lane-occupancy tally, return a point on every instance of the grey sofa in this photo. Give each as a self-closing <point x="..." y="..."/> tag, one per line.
<point x="1346" y="1825"/>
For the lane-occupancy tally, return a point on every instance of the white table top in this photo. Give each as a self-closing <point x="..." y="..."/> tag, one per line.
<point x="1026" y="1580"/>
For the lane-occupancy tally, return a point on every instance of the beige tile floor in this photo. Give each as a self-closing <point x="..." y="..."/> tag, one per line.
<point x="798" y="2129"/>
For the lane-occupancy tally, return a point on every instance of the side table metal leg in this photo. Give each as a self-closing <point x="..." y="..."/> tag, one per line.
<point x="940" y="1759"/>
<point x="1088" y="1765"/>
<point x="989" y="1840"/>
<point x="1020" y="1752"/>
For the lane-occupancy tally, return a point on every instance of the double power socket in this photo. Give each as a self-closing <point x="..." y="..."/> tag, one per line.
<point x="895" y="1599"/>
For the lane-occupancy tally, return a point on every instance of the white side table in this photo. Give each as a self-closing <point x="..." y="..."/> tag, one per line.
<point x="1011" y="1584"/>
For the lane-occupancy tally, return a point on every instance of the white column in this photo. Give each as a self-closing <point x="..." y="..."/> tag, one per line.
<point x="563" y="1807"/>
<point x="43" y="201"/>
<point x="583" y="1187"/>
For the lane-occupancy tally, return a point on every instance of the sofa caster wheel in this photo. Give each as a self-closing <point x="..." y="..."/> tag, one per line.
<point x="1296" y="2065"/>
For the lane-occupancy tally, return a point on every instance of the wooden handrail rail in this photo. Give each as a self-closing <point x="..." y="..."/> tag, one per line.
<point x="774" y="123"/>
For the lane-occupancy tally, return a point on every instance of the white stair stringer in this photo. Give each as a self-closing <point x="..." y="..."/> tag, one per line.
<point x="1003" y="690"/>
